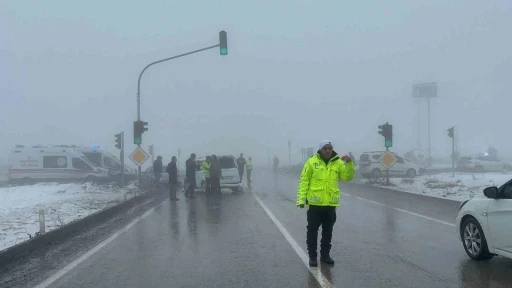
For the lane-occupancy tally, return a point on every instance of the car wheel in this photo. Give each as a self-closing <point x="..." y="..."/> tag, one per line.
<point x="473" y="239"/>
<point x="411" y="173"/>
<point x="376" y="173"/>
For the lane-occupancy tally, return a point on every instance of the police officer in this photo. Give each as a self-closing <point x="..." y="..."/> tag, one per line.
<point x="318" y="188"/>
<point x="248" y="170"/>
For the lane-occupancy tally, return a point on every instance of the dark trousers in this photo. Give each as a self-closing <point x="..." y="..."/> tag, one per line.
<point x="241" y="174"/>
<point x="191" y="188"/>
<point x="208" y="187"/>
<point x="325" y="216"/>
<point x="172" y="190"/>
<point x="215" y="185"/>
<point x="157" y="179"/>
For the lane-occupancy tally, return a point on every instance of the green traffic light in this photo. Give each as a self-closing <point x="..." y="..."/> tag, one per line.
<point x="388" y="143"/>
<point x="223" y="51"/>
<point x="137" y="140"/>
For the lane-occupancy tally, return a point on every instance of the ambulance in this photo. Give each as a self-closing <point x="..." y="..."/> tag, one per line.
<point x="38" y="163"/>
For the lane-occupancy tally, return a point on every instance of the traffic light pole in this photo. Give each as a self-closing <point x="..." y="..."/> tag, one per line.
<point x="387" y="171"/>
<point x="122" y="159"/>
<point x="138" y="88"/>
<point x="453" y="152"/>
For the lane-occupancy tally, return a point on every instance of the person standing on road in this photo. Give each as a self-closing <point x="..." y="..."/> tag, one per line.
<point x="248" y="170"/>
<point x="191" y="176"/>
<point x="172" y="170"/>
<point x="215" y="175"/>
<point x="276" y="163"/>
<point x="241" y="165"/>
<point x="206" y="169"/>
<point x="158" y="169"/>
<point x="318" y="188"/>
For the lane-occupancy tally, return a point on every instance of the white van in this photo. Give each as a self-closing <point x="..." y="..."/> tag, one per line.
<point x="102" y="158"/>
<point x="43" y="163"/>
<point x="230" y="177"/>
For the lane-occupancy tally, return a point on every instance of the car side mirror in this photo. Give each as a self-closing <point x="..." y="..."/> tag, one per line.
<point x="491" y="192"/>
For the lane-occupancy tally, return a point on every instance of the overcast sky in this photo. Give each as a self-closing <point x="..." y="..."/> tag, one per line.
<point x="296" y="70"/>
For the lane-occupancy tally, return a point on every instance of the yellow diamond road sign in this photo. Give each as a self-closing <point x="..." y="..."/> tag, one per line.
<point x="139" y="156"/>
<point x="387" y="160"/>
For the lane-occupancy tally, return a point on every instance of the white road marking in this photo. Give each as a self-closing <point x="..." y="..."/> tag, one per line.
<point x="315" y="271"/>
<point x="403" y="211"/>
<point x="96" y="248"/>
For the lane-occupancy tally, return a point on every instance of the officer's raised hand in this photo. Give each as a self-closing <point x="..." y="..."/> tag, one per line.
<point x="346" y="159"/>
<point x="300" y="206"/>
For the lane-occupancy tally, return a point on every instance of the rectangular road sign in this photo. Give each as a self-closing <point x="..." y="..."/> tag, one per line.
<point x="310" y="152"/>
<point x="425" y="90"/>
<point x="139" y="156"/>
<point x="387" y="160"/>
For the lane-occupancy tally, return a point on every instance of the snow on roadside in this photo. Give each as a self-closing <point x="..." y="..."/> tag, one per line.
<point x="461" y="187"/>
<point x="62" y="203"/>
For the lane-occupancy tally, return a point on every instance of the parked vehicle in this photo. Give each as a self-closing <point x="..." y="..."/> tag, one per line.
<point x="43" y="163"/>
<point x="484" y="225"/>
<point x="230" y="178"/>
<point x="369" y="166"/>
<point x="481" y="163"/>
<point x="102" y="158"/>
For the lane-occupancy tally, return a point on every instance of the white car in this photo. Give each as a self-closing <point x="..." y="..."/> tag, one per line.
<point x="369" y="166"/>
<point x="230" y="178"/>
<point x="482" y="163"/>
<point x="484" y="225"/>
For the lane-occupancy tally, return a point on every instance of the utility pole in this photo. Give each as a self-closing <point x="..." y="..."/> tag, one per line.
<point x="122" y="160"/>
<point x="451" y="134"/>
<point x="223" y="52"/>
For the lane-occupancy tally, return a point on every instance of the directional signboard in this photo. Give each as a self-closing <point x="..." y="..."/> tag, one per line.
<point x="310" y="152"/>
<point x="387" y="160"/>
<point x="139" y="156"/>
<point x="425" y="90"/>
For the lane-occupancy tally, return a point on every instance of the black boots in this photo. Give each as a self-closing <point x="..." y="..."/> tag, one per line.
<point x="327" y="260"/>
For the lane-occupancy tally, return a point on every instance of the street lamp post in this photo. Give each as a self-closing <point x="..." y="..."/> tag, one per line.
<point x="223" y="51"/>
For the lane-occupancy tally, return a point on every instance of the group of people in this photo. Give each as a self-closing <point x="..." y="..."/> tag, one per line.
<point x="247" y="164"/>
<point x="172" y="170"/>
<point x="212" y="174"/>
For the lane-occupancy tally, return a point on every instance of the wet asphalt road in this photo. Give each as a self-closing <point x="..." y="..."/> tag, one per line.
<point x="232" y="242"/>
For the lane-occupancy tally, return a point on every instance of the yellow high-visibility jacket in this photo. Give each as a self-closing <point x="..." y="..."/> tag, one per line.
<point x="206" y="168"/>
<point x="319" y="181"/>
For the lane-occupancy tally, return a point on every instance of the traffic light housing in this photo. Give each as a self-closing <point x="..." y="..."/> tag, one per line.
<point x="451" y="132"/>
<point x="386" y="130"/>
<point x="223" y="43"/>
<point x="119" y="141"/>
<point x="138" y="128"/>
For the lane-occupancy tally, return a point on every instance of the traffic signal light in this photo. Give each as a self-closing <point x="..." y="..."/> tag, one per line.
<point x="119" y="141"/>
<point x="386" y="130"/>
<point x="223" y="41"/>
<point x="138" y="128"/>
<point x="451" y="132"/>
